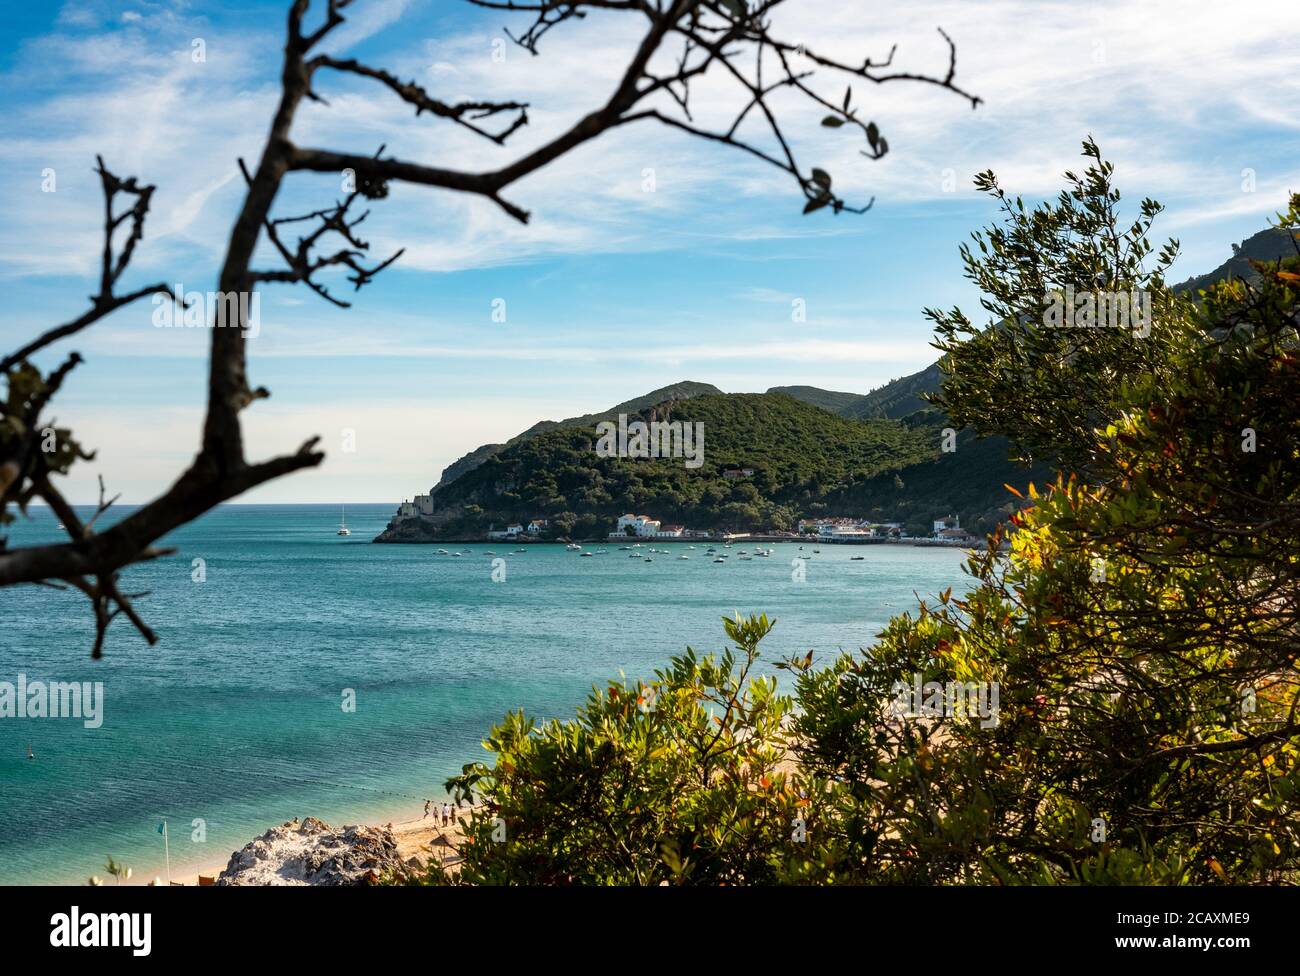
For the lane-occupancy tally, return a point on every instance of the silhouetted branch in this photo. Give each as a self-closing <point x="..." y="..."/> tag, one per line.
<point x="462" y="113"/>
<point x="111" y="266"/>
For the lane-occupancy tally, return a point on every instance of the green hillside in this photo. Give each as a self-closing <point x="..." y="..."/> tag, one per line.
<point x="895" y="400"/>
<point x="675" y="391"/>
<point x="832" y="400"/>
<point x="805" y="461"/>
<point x="1267" y="245"/>
<point x="901" y="397"/>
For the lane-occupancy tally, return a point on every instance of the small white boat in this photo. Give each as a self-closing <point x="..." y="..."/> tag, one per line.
<point x="719" y="560"/>
<point x="649" y="559"/>
<point x="521" y="550"/>
<point x="683" y="557"/>
<point x="343" y="523"/>
<point x="443" y="552"/>
<point x="458" y="554"/>
<point x="586" y="555"/>
<point x="573" y="547"/>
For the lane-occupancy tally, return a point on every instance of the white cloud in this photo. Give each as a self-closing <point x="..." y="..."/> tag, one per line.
<point x="1149" y="80"/>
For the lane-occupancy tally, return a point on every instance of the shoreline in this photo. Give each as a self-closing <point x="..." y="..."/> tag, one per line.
<point x="918" y="542"/>
<point x="413" y="833"/>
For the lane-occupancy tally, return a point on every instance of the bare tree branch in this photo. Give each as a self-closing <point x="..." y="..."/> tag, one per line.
<point x="463" y="113"/>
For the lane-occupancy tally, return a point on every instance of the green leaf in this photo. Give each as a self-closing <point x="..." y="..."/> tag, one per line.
<point x="832" y="121"/>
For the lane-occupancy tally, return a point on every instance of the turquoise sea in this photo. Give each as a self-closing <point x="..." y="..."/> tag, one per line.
<point x="235" y="717"/>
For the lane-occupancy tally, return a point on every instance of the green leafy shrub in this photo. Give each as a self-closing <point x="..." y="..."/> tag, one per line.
<point x="677" y="780"/>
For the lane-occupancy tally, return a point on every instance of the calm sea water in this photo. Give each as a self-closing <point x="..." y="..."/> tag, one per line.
<point x="235" y="719"/>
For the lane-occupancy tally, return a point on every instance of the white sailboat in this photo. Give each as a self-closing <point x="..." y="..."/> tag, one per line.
<point x="343" y="523"/>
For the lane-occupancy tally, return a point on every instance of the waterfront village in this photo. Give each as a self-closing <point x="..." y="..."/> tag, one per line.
<point x="946" y="530"/>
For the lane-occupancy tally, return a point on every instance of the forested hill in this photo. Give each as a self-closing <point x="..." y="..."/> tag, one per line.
<point x="1267" y="245"/>
<point x="675" y="391"/>
<point x="804" y="461"/>
<point x="896" y="399"/>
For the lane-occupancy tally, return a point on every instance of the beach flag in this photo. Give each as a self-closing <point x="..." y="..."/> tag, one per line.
<point x="162" y="829"/>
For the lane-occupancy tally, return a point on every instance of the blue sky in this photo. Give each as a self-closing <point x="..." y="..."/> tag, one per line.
<point x="611" y="290"/>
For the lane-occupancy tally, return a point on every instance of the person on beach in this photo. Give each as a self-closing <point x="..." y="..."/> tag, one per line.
<point x="446" y="814"/>
<point x="426" y="807"/>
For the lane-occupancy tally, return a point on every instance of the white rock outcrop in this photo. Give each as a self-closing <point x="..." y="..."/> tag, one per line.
<point x="311" y="852"/>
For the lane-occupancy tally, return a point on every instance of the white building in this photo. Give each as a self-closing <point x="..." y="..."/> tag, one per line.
<point x="847" y="529"/>
<point x="844" y="532"/>
<point x="642" y="526"/>
<point x="537" y="526"/>
<point x="826" y="528"/>
<point x="950" y="522"/>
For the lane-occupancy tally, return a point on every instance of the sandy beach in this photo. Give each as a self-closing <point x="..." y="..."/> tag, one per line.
<point x="416" y="835"/>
